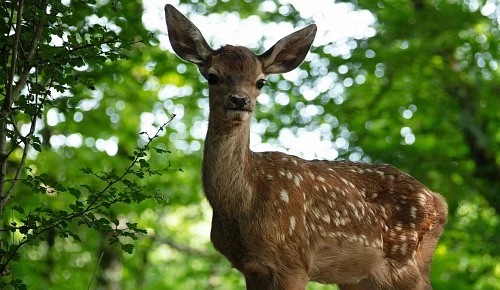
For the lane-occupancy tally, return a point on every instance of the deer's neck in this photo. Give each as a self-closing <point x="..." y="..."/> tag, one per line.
<point x="227" y="169"/>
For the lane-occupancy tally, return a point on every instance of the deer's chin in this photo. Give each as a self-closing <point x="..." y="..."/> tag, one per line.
<point x="238" y="115"/>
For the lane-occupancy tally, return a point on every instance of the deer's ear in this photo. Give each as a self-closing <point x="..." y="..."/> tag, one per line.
<point x="186" y="39"/>
<point x="289" y="52"/>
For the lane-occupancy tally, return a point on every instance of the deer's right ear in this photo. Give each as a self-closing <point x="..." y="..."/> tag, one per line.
<point x="186" y="39"/>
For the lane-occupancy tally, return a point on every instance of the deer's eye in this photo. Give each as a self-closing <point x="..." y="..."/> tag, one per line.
<point x="260" y="83"/>
<point x="212" y="79"/>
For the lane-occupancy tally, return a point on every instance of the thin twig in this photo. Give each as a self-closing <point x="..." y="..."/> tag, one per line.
<point x="11" y="117"/>
<point x="95" y="270"/>
<point x="127" y="171"/>
<point x="31" y="53"/>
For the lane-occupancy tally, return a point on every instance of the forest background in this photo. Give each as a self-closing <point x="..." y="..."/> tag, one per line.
<point x="102" y="126"/>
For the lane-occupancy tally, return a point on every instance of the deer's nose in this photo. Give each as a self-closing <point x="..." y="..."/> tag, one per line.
<point x="238" y="101"/>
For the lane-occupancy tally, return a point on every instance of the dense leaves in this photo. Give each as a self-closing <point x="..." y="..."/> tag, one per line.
<point x="81" y="186"/>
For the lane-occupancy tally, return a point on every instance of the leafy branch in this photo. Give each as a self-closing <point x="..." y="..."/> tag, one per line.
<point x="88" y="211"/>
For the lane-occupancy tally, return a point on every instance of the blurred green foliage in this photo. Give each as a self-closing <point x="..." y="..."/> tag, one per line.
<point x="421" y="94"/>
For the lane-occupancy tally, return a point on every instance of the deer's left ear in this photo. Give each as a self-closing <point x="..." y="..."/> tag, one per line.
<point x="289" y="52"/>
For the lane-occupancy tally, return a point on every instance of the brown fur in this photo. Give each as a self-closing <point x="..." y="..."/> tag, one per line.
<point x="283" y="221"/>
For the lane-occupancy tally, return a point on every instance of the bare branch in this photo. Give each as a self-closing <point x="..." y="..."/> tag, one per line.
<point x="185" y="249"/>
<point x="20" y="168"/>
<point x="8" y="98"/>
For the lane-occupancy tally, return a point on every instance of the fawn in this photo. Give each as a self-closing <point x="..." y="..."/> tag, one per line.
<point x="283" y="221"/>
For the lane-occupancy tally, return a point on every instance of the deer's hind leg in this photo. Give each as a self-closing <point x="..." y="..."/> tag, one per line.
<point x="425" y="252"/>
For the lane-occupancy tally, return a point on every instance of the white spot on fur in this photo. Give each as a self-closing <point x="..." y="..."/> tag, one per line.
<point x="292" y="225"/>
<point x="296" y="180"/>
<point x="316" y="213"/>
<point x="269" y="177"/>
<point x="321" y="231"/>
<point x="321" y="179"/>
<point x="413" y="212"/>
<point x="294" y="161"/>
<point x="333" y="195"/>
<point x="413" y="236"/>
<point x="422" y="199"/>
<point x="404" y="248"/>
<point x="344" y="221"/>
<point x="361" y="207"/>
<point x="427" y="192"/>
<point x="384" y="215"/>
<point x="284" y="196"/>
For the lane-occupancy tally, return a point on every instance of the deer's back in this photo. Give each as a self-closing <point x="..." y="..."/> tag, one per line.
<point x="319" y="205"/>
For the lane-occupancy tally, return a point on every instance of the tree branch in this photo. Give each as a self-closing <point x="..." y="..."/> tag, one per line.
<point x="13" y="62"/>
<point x="31" y="53"/>
<point x="185" y="249"/>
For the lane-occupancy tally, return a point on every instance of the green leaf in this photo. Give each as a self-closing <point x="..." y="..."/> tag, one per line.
<point x="18" y="208"/>
<point x="17" y="284"/>
<point x="129" y="248"/>
<point x="86" y="170"/>
<point x="74" y="236"/>
<point x="143" y="163"/>
<point x="74" y="192"/>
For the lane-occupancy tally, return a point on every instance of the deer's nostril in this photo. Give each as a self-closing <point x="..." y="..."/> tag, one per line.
<point x="238" y="101"/>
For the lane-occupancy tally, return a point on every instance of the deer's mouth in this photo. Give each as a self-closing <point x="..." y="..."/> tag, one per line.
<point x="227" y="109"/>
<point x="238" y="114"/>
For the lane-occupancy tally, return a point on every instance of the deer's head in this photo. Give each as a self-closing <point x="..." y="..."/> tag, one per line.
<point x="235" y="74"/>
